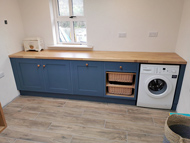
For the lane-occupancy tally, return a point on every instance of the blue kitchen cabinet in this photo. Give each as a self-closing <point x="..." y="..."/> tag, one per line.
<point x="28" y="75"/>
<point x="57" y="76"/>
<point x="42" y="75"/>
<point x="126" y="67"/>
<point x="68" y="77"/>
<point x="88" y="78"/>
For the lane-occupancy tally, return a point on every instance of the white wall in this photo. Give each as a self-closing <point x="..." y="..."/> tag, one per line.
<point x="11" y="36"/>
<point x="183" y="49"/>
<point x="105" y="18"/>
<point x="36" y="19"/>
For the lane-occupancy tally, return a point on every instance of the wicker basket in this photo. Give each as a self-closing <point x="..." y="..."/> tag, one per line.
<point x="177" y="129"/>
<point x="120" y="77"/>
<point x="120" y="90"/>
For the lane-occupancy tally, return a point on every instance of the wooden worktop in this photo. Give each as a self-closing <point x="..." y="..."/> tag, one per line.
<point x="141" y="57"/>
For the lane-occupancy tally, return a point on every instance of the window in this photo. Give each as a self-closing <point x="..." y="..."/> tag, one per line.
<point x="70" y="23"/>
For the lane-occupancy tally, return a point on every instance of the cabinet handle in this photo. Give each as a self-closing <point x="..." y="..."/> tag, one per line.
<point x="120" y="67"/>
<point x="38" y="66"/>
<point x="86" y="64"/>
<point x="44" y="66"/>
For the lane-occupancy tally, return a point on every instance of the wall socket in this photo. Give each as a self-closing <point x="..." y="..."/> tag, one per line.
<point x="153" y="34"/>
<point x="122" y="35"/>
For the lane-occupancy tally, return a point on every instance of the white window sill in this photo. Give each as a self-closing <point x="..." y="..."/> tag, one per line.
<point x="71" y="47"/>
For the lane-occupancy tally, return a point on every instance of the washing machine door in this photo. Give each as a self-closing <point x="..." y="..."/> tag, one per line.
<point x="158" y="86"/>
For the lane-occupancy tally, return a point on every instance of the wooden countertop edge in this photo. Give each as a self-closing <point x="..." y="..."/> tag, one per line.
<point x="57" y="57"/>
<point x="103" y="60"/>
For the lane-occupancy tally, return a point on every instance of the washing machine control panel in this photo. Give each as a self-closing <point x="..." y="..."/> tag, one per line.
<point x="165" y="71"/>
<point x="159" y="69"/>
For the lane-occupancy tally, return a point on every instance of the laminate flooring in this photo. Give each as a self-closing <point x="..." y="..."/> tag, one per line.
<point x="49" y="120"/>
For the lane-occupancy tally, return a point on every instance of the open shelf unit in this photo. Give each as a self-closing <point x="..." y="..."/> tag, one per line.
<point x="3" y="123"/>
<point x="121" y="85"/>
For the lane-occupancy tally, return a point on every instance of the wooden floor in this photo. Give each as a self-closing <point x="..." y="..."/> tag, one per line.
<point x="47" y="120"/>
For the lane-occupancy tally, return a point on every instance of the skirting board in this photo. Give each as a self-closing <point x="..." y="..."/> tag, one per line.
<point x="79" y="97"/>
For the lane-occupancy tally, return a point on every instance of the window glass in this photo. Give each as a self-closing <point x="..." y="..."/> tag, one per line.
<point x="64" y="31"/>
<point x="63" y="7"/>
<point x="80" y="31"/>
<point x="78" y="7"/>
<point x="70" y="30"/>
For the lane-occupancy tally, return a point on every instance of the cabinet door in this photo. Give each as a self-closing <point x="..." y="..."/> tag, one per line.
<point x="57" y="76"/>
<point x="30" y="74"/>
<point x="88" y="78"/>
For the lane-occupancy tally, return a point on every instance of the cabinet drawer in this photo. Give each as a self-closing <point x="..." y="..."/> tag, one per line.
<point x="121" y="67"/>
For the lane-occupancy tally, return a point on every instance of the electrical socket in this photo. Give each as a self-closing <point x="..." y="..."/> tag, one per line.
<point x="153" y="34"/>
<point x="122" y="35"/>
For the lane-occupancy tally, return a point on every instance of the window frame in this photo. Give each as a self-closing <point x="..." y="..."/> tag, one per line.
<point x="58" y="18"/>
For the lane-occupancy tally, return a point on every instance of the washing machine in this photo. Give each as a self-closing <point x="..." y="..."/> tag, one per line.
<point x="157" y="85"/>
